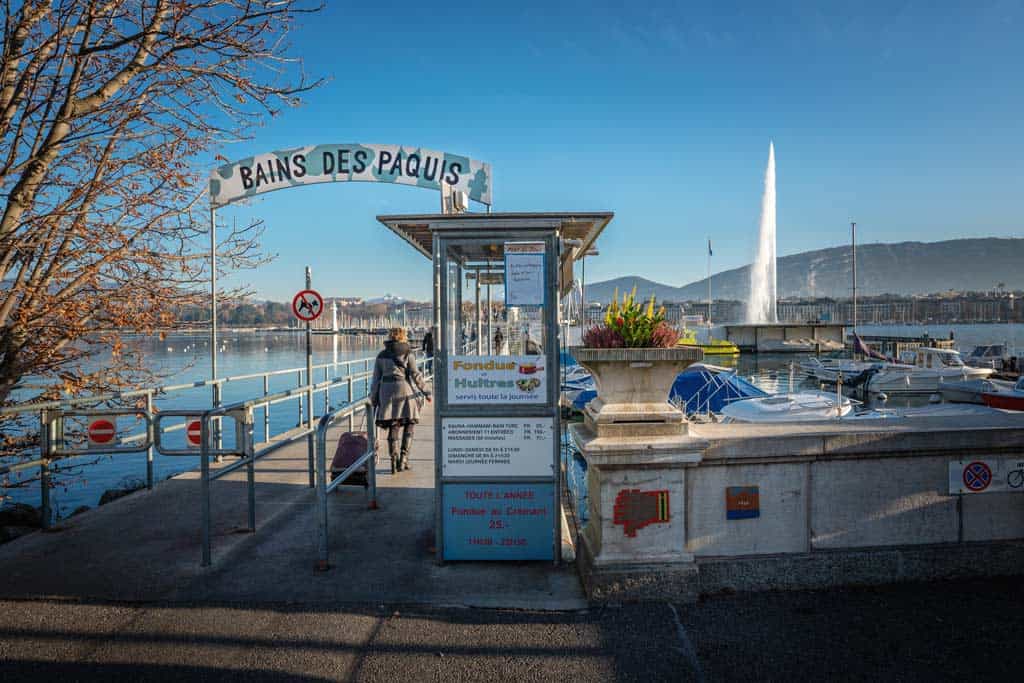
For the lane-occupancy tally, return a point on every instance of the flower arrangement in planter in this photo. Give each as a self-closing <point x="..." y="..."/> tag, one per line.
<point x="628" y="325"/>
<point x="634" y="360"/>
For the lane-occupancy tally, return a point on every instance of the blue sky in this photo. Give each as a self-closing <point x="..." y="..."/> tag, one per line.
<point x="906" y="117"/>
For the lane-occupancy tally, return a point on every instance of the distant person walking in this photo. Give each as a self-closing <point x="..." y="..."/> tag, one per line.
<point x="428" y="349"/>
<point x="393" y="394"/>
<point x="499" y="339"/>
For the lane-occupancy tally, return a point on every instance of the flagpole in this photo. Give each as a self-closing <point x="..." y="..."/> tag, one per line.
<point x="709" y="286"/>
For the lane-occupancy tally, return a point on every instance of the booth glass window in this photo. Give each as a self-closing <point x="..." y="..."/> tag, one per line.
<point x="478" y="320"/>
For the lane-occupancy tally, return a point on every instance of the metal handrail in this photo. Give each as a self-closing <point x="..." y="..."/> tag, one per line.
<point x="323" y="488"/>
<point x="42" y="462"/>
<point x="166" y="389"/>
<point x="241" y="411"/>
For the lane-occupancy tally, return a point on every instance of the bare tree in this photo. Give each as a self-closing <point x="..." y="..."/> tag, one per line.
<point x="107" y="110"/>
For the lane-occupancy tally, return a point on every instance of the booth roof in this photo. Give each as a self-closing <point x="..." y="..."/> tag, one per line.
<point x="416" y="229"/>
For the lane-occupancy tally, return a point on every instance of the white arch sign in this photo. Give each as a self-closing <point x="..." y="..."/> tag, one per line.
<point x="346" y="163"/>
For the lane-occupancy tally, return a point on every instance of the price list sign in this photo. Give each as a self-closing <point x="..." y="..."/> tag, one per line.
<point x="498" y="521"/>
<point x="497" y="447"/>
<point x="524" y="273"/>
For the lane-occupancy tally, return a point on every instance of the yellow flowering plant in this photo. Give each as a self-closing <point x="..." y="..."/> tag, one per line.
<point x="631" y="324"/>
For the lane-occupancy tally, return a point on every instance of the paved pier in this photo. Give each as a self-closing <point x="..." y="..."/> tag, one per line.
<point x="118" y="594"/>
<point x="146" y="546"/>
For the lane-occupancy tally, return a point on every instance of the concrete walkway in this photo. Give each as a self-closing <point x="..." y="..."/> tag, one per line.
<point x="118" y="594"/>
<point x="146" y="546"/>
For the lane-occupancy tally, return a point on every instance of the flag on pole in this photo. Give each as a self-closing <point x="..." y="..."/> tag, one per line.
<point x="710" y="253"/>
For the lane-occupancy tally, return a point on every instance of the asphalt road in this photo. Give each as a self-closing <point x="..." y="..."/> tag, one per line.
<point x="964" y="630"/>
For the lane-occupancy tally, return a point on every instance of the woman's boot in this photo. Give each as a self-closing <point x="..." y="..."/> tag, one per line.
<point x="393" y="452"/>
<point x="406" y="446"/>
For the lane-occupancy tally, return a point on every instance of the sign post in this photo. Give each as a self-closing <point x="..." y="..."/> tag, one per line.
<point x="307" y="306"/>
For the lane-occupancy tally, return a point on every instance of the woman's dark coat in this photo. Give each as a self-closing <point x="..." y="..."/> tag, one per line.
<point x="392" y="391"/>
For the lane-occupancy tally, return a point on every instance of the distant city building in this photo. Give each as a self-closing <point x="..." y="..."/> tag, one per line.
<point x="943" y="308"/>
<point x="948" y="307"/>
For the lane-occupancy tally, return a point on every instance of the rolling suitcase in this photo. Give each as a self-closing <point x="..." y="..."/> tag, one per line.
<point x="351" y="446"/>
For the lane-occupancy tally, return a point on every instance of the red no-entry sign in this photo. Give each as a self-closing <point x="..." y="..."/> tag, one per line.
<point x="308" y="305"/>
<point x="101" y="432"/>
<point x="194" y="433"/>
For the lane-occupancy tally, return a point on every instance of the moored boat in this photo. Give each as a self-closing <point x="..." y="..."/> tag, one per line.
<point x="830" y="369"/>
<point x="804" y="406"/>
<point x="931" y="367"/>
<point x="1007" y="400"/>
<point x="971" y="391"/>
<point x="995" y="356"/>
<point x="712" y="347"/>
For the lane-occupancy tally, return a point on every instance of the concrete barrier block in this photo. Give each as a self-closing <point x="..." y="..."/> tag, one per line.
<point x="888" y="501"/>
<point x="993" y="516"/>
<point x="780" y="528"/>
<point x="658" y="540"/>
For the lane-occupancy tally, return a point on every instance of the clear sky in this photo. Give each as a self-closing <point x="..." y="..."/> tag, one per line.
<point x="907" y="117"/>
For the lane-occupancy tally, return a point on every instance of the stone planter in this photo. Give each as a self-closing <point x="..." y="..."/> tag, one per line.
<point x="638" y="451"/>
<point x="632" y="388"/>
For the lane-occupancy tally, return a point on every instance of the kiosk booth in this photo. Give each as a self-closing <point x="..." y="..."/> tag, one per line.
<point x="498" y="279"/>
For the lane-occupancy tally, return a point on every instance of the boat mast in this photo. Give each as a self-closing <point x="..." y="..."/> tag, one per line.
<point x="709" y="288"/>
<point x="853" y="241"/>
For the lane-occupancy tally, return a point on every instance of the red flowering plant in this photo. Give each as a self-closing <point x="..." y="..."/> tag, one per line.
<point x="631" y="324"/>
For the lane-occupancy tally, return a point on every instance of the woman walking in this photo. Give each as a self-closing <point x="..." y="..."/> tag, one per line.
<point x="393" y="395"/>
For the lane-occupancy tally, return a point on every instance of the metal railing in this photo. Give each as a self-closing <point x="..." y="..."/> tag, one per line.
<point x="51" y="416"/>
<point x="245" y="447"/>
<point x="367" y="460"/>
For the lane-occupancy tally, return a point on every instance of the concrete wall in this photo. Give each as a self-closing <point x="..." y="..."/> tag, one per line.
<point x="827" y="488"/>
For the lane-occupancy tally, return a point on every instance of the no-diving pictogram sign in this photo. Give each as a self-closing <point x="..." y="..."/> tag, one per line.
<point x="194" y="433"/>
<point x="308" y="305"/>
<point x="101" y="432"/>
<point x="977" y="476"/>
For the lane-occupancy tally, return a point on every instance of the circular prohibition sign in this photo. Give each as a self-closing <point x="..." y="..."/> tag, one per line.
<point x="101" y="432"/>
<point x="308" y="305"/>
<point x="977" y="476"/>
<point x="194" y="433"/>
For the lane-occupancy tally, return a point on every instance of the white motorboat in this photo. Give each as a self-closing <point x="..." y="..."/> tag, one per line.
<point x="995" y="356"/>
<point x="971" y="390"/>
<point x="829" y="369"/>
<point x="931" y="367"/>
<point x="804" y="406"/>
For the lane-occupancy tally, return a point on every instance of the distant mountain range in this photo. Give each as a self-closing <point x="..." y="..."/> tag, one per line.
<point x="902" y="268"/>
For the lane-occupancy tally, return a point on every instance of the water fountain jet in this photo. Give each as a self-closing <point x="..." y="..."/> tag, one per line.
<point x="761" y="303"/>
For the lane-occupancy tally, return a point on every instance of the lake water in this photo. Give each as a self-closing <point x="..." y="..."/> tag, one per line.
<point x="182" y="358"/>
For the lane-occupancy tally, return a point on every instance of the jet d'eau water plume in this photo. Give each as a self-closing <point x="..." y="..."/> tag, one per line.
<point x="761" y="304"/>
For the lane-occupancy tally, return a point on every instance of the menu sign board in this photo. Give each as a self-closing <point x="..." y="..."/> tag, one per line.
<point x="508" y="380"/>
<point x="524" y="274"/>
<point x="497" y="446"/>
<point x="498" y="521"/>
